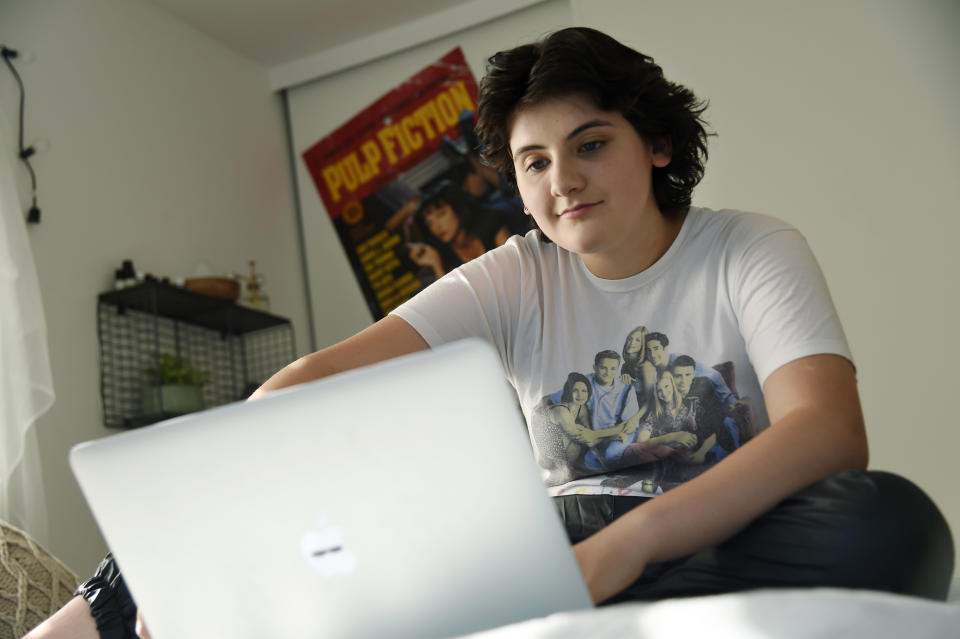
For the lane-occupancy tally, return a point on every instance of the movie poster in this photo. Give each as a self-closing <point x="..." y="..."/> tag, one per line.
<point x="403" y="186"/>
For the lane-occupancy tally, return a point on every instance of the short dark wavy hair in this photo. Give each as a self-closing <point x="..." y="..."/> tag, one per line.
<point x="583" y="61"/>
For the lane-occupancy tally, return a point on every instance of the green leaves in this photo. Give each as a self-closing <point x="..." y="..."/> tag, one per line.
<point x="174" y="370"/>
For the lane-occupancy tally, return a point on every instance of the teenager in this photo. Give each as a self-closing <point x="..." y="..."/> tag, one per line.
<point x="605" y="153"/>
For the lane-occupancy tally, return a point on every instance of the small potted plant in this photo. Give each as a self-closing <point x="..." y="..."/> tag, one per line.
<point x="174" y="386"/>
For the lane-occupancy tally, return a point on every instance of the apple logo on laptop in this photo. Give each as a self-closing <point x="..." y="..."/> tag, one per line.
<point x="324" y="549"/>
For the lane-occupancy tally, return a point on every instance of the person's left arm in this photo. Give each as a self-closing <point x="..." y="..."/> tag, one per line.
<point x="700" y="456"/>
<point x="816" y="429"/>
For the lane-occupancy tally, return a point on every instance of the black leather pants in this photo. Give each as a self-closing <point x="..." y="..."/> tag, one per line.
<point x="111" y="605"/>
<point x="857" y="529"/>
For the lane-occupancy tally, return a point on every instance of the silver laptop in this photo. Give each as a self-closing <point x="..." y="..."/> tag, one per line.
<point x="397" y="500"/>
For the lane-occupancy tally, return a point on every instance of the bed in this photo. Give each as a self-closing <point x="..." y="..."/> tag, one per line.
<point x="33" y="584"/>
<point x="826" y="613"/>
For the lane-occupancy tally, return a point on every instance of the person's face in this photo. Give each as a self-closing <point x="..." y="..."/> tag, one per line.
<point x="656" y="353"/>
<point x="605" y="370"/>
<point x="585" y="176"/>
<point x="665" y="389"/>
<point x="579" y="393"/>
<point x="684" y="377"/>
<point x="635" y="342"/>
<point x="442" y="222"/>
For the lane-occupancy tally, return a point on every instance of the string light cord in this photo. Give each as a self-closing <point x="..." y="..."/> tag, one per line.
<point x="33" y="215"/>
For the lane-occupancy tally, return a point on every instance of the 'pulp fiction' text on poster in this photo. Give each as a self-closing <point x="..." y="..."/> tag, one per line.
<point x="405" y="190"/>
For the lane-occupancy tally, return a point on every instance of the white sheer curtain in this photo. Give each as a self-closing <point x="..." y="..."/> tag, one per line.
<point x="26" y="385"/>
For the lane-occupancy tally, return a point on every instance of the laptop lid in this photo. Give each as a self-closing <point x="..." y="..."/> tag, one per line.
<point x="397" y="500"/>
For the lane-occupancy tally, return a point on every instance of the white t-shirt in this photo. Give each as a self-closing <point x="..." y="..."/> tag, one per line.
<point x="739" y="293"/>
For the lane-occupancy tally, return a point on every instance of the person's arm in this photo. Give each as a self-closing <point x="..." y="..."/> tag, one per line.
<point x="700" y="456"/>
<point x="594" y="437"/>
<point x="816" y="429"/>
<point x="681" y="437"/>
<point x="621" y="430"/>
<point x="388" y="338"/>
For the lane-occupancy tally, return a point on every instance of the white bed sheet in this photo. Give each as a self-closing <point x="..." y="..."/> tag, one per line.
<point x="825" y="613"/>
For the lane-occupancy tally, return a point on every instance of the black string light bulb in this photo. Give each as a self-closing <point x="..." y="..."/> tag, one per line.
<point x="33" y="215"/>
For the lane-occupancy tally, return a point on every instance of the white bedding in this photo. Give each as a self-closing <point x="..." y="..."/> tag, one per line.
<point x="782" y="614"/>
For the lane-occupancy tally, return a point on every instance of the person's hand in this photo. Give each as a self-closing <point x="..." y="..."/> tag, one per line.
<point x="682" y="437"/>
<point x="424" y="254"/>
<point x="626" y="431"/>
<point x="141" y="627"/>
<point x="627" y="379"/>
<point x="586" y="436"/>
<point x="630" y="426"/>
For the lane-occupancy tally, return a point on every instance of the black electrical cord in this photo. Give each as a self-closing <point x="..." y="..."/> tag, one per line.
<point x="33" y="216"/>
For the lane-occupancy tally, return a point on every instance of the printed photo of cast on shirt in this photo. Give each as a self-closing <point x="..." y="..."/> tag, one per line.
<point x="644" y="417"/>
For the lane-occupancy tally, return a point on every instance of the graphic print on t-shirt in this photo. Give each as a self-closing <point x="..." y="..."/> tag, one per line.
<point x="644" y="417"/>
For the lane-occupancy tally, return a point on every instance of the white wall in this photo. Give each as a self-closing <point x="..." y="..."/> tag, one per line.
<point x="841" y="117"/>
<point x="164" y="147"/>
